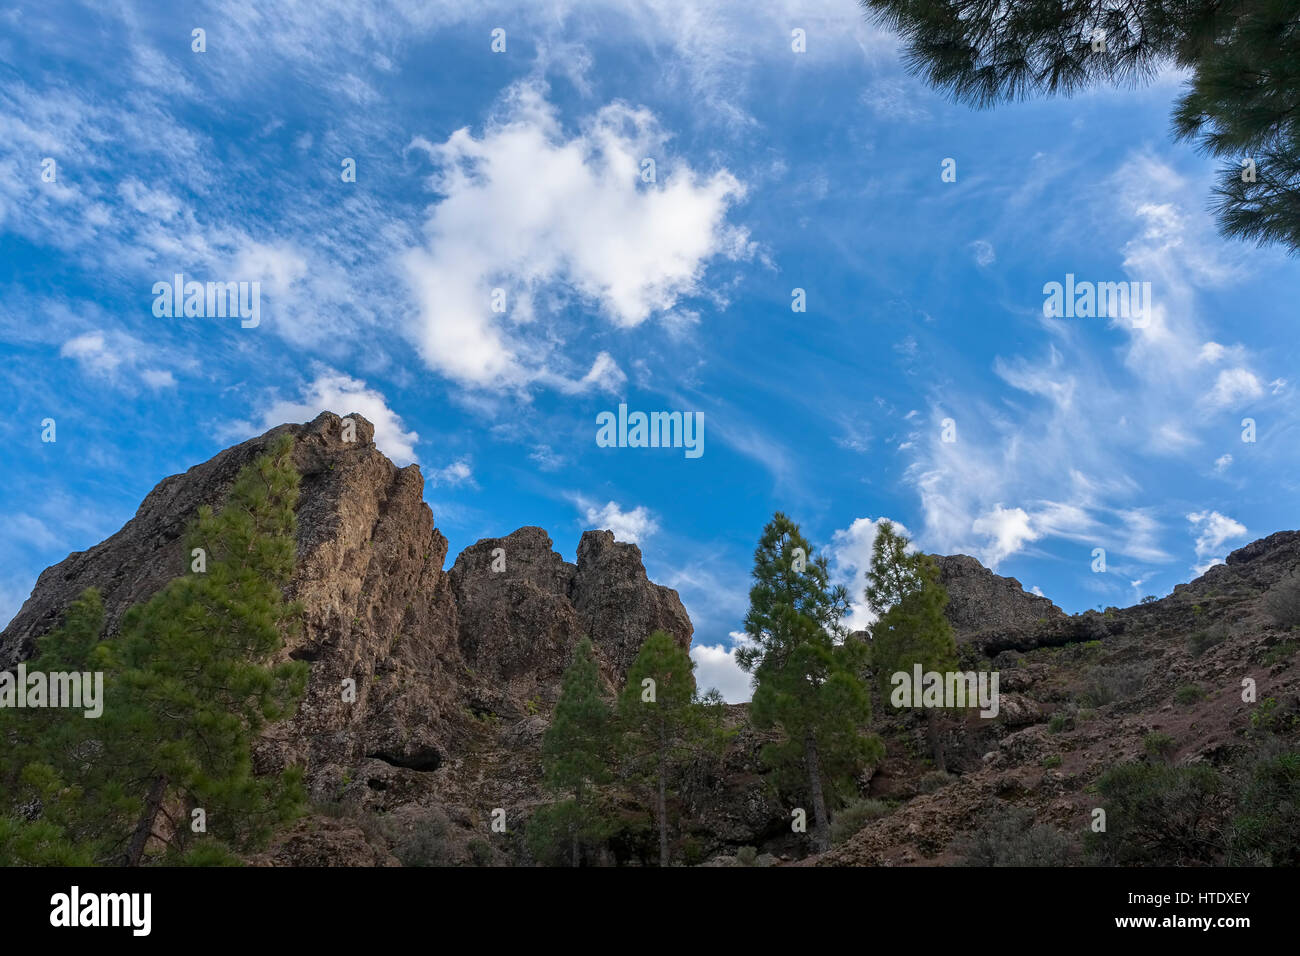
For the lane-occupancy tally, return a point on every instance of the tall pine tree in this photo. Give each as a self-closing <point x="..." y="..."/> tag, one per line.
<point x="575" y="760"/>
<point x="189" y="684"/>
<point x="663" y="724"/>
<point x="805" y="676"/>
<point x="904" y="590"/>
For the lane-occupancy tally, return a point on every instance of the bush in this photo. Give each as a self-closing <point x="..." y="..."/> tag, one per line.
<point x="480" y="852"/>
<point x="1052" y="762"/>
<point x="1202" y="640"/>
<point x="1159" y="744"/>
<point x="426" y="845"/>
<point x="1108" y="683"/>
<point x="1280" y="652"/>
<point x="934" y="780"/>
<point x="1266" y="828"/>
<point x="1189" y="694"/>
<point x="747" y="856"/>
<point x="1060" y="722"/>
<point x="1159" y="815"/>
<point x="1282" y="601"/>
<point x="1010" y="837"/>
<point x="855" y="816"/>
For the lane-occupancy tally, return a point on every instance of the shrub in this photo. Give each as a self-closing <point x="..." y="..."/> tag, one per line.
<point x="426" y="845"/>
<point x="934" y="780"/>
<point x="747" y="856"/>
<point x="1201" y="641"/>
<point x="855" y="816"/>
<point x="1150" y="599"/>
<point x="1188" y="694"/>
<point x="1266" y="828"/>
<point x="1010" y="837"/>
<point x="1159" y="815"/>
<point x="1282" y="601"/>
<point x="1280" y="652"/>
<point x="1052" y="762"/>
<point x="1159" y="744"/>
<point x="480" y="852"/>
<point x="1108" y="683"/>
<point x="1060" y="722"/>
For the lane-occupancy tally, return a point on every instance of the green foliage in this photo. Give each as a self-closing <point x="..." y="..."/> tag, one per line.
<point x="1010" y="837"/>
<point x="1266" y="828"/>
<point x="576" y="758"/>
<point x="187" y="688"/>
<point x="1052" y="762"/>
<point x="1149" y="599"/>
<point x="1059" y="723"/>
<point x="1281" y="652"/>
<point x="1282" y="602"/>
<point x="1201" y="641"/>
<point x="1189" y="694"/>
<point x="806" y="676"/>
<point x="855" y="816"/>
<point x="1107" y="683"/>
<point x="747" y="856"/>
<point x="1159" y="815"/>
<point x="1159" y="744"/>
<point x="663" y="725"/>
<point x="480" y="852"/>
<point x="1240" y="101"/>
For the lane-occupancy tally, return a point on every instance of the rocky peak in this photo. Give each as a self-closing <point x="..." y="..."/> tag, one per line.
<point x="979" y="600"/>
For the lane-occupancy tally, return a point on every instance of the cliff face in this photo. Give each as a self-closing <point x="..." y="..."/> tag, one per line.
<point x="450" y="667"/>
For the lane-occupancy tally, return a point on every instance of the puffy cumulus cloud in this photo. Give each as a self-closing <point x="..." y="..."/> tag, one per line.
<point x="633" y="526"/>
<point x="543" y="216"/>
<point x="716" y="667"/>
<point x="1007" y="531"/>
<point x="455" y="474"/>
<point x="336" y="392"/>
<point x="850" y="557"/>
<point x="1213" y="531"/>
<point x="1234" y="386"/>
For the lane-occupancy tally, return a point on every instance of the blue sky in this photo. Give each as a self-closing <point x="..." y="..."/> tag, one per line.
<point x="522" y="170"/>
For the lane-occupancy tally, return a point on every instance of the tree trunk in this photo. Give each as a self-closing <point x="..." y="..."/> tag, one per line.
<point x="821" y="829"/>
<point x="662" y="810"/>
<point x="936" y="740"/>
<point x="144" y="827"/>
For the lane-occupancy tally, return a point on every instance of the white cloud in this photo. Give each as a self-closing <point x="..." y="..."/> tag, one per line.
<point x="715" y="666"/>
<point x="1008" y="530"/>
<point x="457" y="473"/>
<point x="984" y="254"/>
<point x="110" y="355"/>
<point x="632" y="526"/>
<point x="1222" y="463"/>
<point x="1213" y="531"/>
<point x="538" y="214"/>
<point x="1234" y="386"/>
<point x="333" y="391"/>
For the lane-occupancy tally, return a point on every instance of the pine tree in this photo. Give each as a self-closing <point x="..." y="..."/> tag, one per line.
<point x="575" y="757"/>
<point x="904" y="590"/>
<point x="805" y="676"/>
<point x="1243" y="99"/>
<point x="663" y="724"/>
<point x="188" y="687"/>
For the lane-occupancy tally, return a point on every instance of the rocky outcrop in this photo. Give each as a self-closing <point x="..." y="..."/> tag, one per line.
<point x="413" y="667"/>
<point x="980" y="600"/>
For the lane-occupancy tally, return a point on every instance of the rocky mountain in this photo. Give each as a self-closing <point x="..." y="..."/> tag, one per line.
<point x="456" y="672"/>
